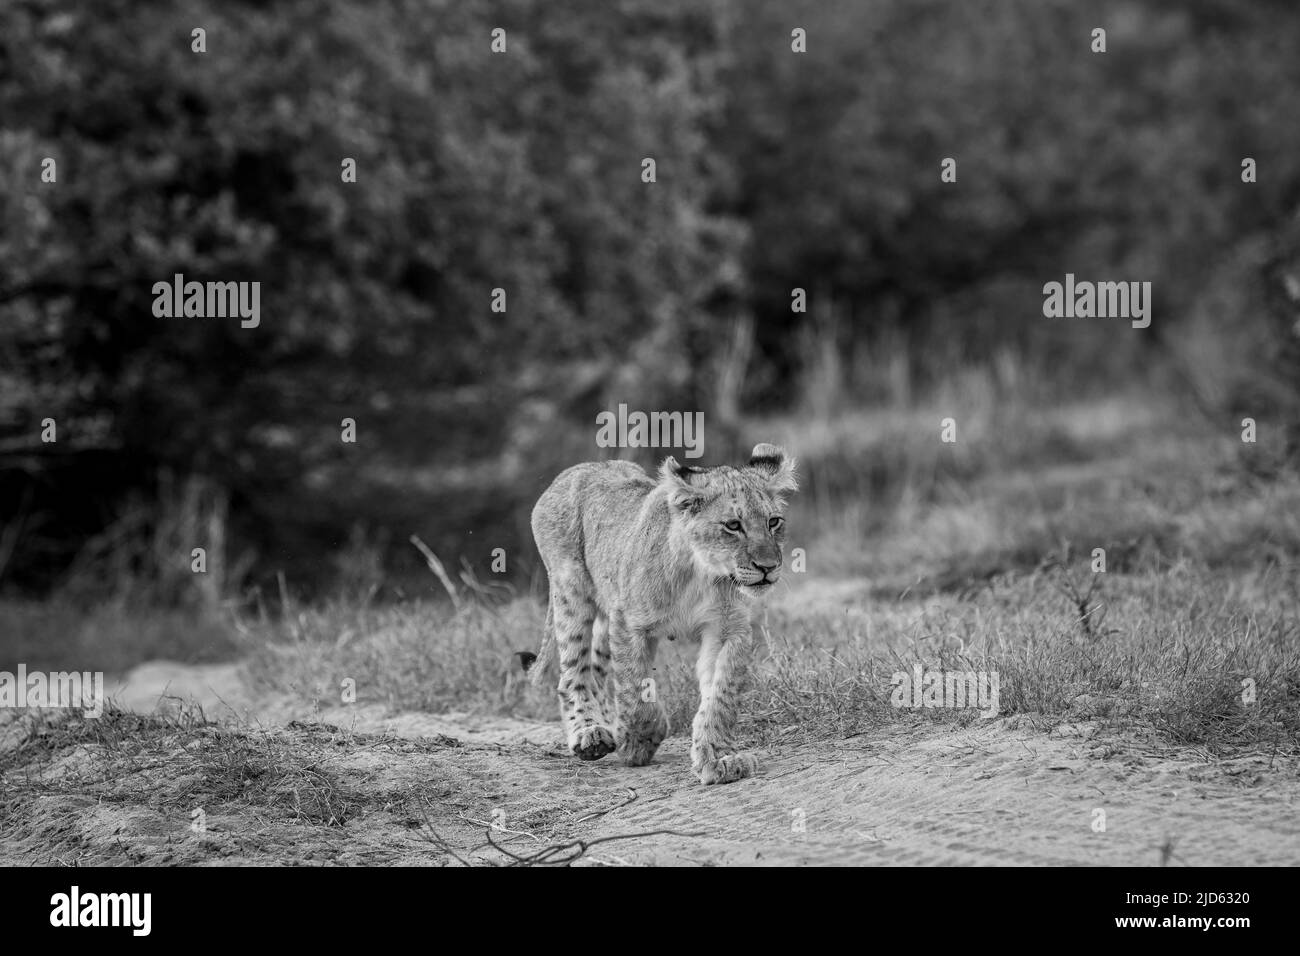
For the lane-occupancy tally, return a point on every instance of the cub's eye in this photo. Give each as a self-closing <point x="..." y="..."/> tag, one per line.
<point x="732" y="525"/>
<point x="774" y="523"/>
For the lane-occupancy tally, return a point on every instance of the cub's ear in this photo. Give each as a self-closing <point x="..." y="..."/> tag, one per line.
<point x="682" y="495"/>
<point x="778" y="467"/>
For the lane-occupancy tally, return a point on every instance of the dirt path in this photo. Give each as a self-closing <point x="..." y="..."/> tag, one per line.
<point x="426" y="788"/>
<point x="984" y="795"/>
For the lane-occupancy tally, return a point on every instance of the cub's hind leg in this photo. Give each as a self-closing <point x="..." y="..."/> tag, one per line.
<point x="602" y="670"/>
<point x="574" y="613"/>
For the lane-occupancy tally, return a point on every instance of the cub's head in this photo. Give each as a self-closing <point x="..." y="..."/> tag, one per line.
<point x="733" y="519"/>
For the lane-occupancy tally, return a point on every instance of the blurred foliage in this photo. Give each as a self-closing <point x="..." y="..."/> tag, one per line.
<point x="1122" y="165"/>
<point x="475" y="172"/>
<point x="521" y="171"/>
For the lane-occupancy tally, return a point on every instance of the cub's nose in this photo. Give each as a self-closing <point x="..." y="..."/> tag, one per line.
<point x="766" y="569"/>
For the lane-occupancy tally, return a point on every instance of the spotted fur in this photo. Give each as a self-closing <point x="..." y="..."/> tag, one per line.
<point x="631" y="560"/>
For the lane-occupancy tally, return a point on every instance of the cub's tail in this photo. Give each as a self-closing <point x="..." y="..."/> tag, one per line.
<point x="537" y="665"/>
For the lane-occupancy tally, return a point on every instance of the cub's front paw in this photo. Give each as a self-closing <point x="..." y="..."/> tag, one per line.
<point x="640" y="740"/>
<point x="592" y="743"/>
<point x="727" y="768"/>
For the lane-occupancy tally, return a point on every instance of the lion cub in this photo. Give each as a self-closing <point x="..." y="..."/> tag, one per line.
<point x="632" y="560"/>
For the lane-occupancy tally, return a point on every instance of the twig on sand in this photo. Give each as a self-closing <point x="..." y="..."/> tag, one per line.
<point x="436" y="839"/>
<point x="601" y="813"/>
<point x="562" y="854"/>
<point x="499" y="828"/>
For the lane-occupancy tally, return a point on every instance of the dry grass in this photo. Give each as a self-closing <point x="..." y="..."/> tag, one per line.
<point x="180" y="760"/>
<point x="1159" y="653"/>
<point x="175" y="788"/>
<point x="424" y="656"/>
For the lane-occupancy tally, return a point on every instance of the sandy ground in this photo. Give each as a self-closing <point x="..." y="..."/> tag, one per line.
<point x="997" y="792"/>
